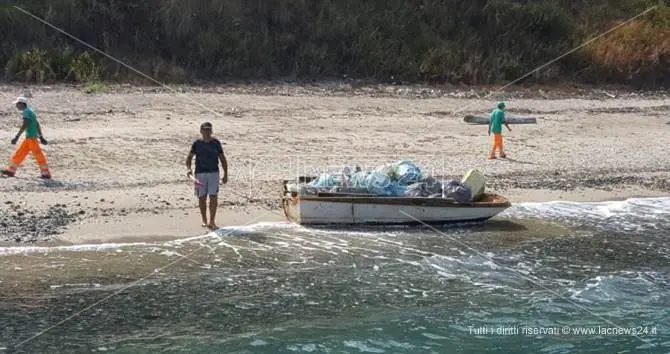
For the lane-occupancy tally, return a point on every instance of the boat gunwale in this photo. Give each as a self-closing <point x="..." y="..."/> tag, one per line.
<point x="492" y="201"/>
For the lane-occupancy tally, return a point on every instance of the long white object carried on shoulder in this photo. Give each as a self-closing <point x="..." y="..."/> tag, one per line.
<point x="480" y="120"/>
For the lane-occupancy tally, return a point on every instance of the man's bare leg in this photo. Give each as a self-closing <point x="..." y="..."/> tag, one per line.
<point x="202" y="201"/>
<point x="213" y="204"/>
<point x="492" y="154"/>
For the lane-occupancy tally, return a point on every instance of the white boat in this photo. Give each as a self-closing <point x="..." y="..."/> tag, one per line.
<point x="359" y="209"/>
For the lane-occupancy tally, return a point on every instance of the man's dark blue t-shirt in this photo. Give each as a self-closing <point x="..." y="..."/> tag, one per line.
<point x="206" y="155"/>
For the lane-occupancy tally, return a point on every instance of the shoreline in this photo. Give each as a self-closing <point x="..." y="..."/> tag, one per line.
<point x="117" y="157"/>
<point x="183" y="223"/>
<point x="77" y="235"/>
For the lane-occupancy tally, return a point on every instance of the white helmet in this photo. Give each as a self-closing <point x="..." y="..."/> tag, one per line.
<point x="21" y="99"/>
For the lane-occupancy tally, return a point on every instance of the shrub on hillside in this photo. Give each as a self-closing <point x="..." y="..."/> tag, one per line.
<point x="41" y="66"/>
<point x="638" y="51"/>
<point x="33" y="66"/>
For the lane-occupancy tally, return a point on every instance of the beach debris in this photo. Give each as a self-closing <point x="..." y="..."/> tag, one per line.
<point x="401" y="178"/>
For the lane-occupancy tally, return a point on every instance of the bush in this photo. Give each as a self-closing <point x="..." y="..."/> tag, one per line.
<point x="82" y="68"/>
<point x="637" y="53"/>
<point x="42" y="66"/>
<point x="33" y="66"/>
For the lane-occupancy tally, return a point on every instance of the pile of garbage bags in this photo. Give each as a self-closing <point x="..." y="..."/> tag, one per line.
<point x="402" y="178"/>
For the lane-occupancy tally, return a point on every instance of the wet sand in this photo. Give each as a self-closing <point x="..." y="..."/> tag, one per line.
<point x="118" y="157"/>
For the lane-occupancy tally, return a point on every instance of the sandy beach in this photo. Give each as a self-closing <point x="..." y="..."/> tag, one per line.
<point x="117" y="157"/>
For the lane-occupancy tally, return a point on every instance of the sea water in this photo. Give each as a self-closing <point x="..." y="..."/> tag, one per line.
<point x="541" y="278"/>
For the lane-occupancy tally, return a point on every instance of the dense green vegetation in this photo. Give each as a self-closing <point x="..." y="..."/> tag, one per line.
<point x="454" y="41"/>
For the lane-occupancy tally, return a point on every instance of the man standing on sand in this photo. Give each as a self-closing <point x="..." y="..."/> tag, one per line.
<point x="496" y="122"/>
<point x="31" y="143"/>
<point x="208" y="152"/>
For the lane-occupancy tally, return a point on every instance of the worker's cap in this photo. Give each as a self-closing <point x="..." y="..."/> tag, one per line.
<point x="206" y="125"/>
<point x="501" y="105"/>
<point x="20" y="99"/>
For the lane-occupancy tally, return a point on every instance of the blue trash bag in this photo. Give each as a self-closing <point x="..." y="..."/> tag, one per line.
<point x="324" y="181"/>
<point x="393" y="189"/>
<point x="386" y="169"/>
<point x="358" y="180"/>
<point x="406" y="172"/>
<point x="397" y="190"/>
<point x="376" y="183"/>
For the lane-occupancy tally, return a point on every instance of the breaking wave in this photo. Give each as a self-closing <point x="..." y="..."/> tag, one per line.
<point x="635" y="214"/>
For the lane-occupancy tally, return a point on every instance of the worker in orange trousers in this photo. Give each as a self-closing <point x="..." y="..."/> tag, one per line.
<point x="30" y="144"/>
<point x="496" y="122"/>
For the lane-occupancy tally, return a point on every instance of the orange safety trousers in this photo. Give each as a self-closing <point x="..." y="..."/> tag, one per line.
<point x="29" y="145"/>
<point x="497" y="143"/>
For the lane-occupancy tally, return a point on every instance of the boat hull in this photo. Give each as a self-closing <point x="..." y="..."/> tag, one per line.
<point x="398" y="211"/>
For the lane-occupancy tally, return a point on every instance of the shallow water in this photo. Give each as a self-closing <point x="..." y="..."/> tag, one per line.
<point x="525" y="282"/>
